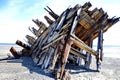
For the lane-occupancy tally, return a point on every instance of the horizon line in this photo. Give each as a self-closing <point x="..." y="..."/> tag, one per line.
<point x="93" y="45"/>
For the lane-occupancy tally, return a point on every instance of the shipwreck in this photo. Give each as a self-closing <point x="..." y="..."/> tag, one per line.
<point x="68" y="38"/>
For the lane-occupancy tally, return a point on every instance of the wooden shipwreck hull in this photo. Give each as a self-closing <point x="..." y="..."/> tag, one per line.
<point x="69" y="38"/>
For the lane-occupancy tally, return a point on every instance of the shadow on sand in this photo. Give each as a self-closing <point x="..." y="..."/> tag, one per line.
<point x="32" y="67"/>
<point x="78" y="69"/>
<point x="28" y="62"/>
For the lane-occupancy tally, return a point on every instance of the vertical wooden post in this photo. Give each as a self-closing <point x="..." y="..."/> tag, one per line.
<point x="99" y="56"/>
<point x="65" y="55"/>
<point x="89" y="57"/>
<point x="68" y="42"/>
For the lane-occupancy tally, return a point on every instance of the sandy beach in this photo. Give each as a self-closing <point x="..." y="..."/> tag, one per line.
<point x="25" y="69"/>
<point x="22" y="69"/>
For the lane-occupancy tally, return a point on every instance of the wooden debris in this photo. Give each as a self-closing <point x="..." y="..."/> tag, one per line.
<point x="18" y="42"/>
<point x="14" y="52"/>
<point x="68" y="39"/>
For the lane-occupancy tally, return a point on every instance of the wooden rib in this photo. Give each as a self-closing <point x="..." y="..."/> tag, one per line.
<point x="20" y="43"/>
<point x="82" y="45"/>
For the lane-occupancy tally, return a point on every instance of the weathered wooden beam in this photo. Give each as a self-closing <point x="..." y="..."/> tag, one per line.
<point x="77" y="53"/>
<point x="68" y="42"/>
<point x="67" y="46"/>
<point x="105" y="26"/>
<point x="55" y="57"/>
<point x="49" y="21"/>
<point x="43" y="38"/>
<point x="66" y="51"/>
<point x="111" y="22"/>
<point x="99" y="56"/>
<point x="40" y="24"/>
<point x="41" y="57"/>
<point x="88" y="56"/>
<point x="95" y="27"/>
<point x="67" y="75"/>
<point x="73" y="11"/>
<point x="86" y="6"/>
<point x="71" y="58"/>
<point x="82" y="45"/>
<point x="14" y="52"/>
<point x="58" y="25"/>
<point x="52" y="42"/>
<point x="34" y="31"/>
<point x="75" y="22"/>
<point x="97" y="14"/>
<point x="65" y="56"/>
<point x="47" y="58"/>
<point x="89" y="23"/>
<point x="79" y="29"/>
<point x="25" y="52"/>
<point x="30" y="39"/>
<point x="18" y="42"/>
<point x="54" y="15"/>
<point x="40" y="39"/>
<point x="58" y="53"/>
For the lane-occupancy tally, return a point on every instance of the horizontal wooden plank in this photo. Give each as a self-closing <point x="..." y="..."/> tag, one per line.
<point x="52" y="42"/>
<point x="77" y="53"/>
<point x="82" y="45"/>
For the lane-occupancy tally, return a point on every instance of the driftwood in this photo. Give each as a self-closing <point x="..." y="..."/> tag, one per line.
<point x="69" y="38"/>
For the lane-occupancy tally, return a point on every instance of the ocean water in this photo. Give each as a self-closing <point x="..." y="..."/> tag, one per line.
<point x="112" y="51"/>
<point x="109" y="51"/>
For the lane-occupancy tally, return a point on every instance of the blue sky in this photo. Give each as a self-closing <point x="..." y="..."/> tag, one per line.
<point x="16" y="16"/>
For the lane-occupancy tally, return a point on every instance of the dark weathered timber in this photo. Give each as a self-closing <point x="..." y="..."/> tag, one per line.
<point x="30" y="39"/>
<point x="99" y="56"/>
<point x="86" y="6"/>
<point x="54" y="15"/>
<point x="77" y="53"/>
<point x="49" y="21"/>
<point x="95" y="27"/>
<point x="34" y="31"/>
<point x="40" y="24"/>
<point x="18" y="42"/>
<point x="14" y="52"/>
<point x="82" y="45"/>
<point x="65" y="56"/>
<point x="88" y="56"/>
